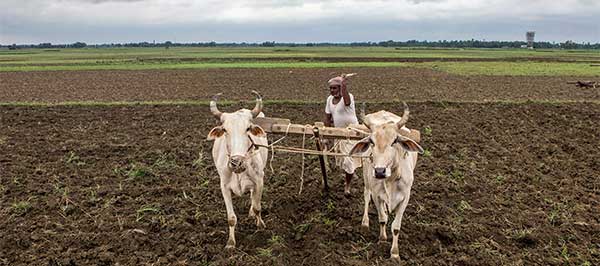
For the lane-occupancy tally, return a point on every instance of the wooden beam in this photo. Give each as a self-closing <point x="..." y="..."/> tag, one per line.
<point x="283" y="126"/>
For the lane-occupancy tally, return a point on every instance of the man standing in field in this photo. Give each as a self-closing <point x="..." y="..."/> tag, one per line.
<point x="340" y="112"/>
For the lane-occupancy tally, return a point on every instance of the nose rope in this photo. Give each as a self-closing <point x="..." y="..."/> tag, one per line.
<point x="249" y="152"/>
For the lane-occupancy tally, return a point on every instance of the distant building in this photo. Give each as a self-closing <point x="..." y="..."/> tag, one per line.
<point x="530" y="36"/>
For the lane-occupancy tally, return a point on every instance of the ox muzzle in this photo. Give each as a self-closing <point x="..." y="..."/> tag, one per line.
<point x="236" y="164"/>
<point x="380" y="172"/>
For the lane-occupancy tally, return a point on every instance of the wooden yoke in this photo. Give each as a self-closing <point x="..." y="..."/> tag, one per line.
<point x="356" y="132"/>
<point x="283" y="126"/>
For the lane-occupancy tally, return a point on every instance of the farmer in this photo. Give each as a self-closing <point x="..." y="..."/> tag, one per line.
<point x="340" y="112"/>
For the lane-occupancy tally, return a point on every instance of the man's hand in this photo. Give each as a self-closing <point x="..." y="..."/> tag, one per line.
<point x="326" y="144"/>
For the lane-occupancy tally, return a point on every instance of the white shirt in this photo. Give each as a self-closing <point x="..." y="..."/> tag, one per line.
<point x="342" y="115"/>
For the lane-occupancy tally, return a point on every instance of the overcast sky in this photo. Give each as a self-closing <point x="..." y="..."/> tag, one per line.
<point x="107" y="21"/>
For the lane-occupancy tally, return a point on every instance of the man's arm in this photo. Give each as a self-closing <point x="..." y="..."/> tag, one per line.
<point x="345" y="93"/>
<point x="328" y="120"/>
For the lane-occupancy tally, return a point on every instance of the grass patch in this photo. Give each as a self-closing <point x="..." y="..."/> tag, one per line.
<point x="138" y="172"/>
<point x="276" y="240"/>
<point x="514" y="68"/>
<point x="264" y="252"/>
<point x="457" y="175"/>
<point x="72" y="158"/>
<point x="300" y="230"/>
<point x="165" y="161"/>
<point x="427" y="131"/>
<point x="426" y="153"/>
<point x="21" y="208"/>
<point x="147" y="210"/>
<point x="500" y="178"/>
<point x="463" y="205"/>
<point x="328" y="221"/>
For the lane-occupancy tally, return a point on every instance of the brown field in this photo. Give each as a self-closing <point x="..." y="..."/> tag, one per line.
<point x="504" y="184"/>
<point x="371" y="84"/>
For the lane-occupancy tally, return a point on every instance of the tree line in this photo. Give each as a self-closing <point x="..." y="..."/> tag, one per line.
<point x="391" y="43"/>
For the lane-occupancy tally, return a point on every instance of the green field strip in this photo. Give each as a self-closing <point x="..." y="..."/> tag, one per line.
<point x="172" y="66"/>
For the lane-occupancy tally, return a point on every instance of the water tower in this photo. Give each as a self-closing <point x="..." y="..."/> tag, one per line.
<point x="530" y="38"/>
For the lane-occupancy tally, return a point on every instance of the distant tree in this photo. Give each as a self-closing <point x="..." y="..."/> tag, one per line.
<point x="568" y="45"/>
<point x="268" y="44"/>
<point x="79" y="45"/>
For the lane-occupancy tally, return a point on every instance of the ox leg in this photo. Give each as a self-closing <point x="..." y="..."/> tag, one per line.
<point x="381" y="212"/>
<point x="366" y="195"/>
<point x="399" y="202"/>
<point x="251" y="212"/>
<point x="231" y="218"/>
<point x="255" y="209"/>
<point x="347" y="181"/>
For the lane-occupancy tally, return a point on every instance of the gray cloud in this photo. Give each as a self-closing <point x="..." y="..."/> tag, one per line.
<point x="105" y="21"/>
<point x="103" y="1"/>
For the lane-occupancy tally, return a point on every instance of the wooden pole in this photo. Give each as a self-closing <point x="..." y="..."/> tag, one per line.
<point x="321" y="159"/>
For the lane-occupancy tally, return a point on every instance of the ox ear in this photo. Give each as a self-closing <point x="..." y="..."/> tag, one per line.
<point x="361" y="146"/>
<point x="216" y="132"/>
<point x="408" y="144"/>
<point x="256" y="131"/>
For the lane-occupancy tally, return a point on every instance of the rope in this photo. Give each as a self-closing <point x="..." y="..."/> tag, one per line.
<point x="302" y="172"/>
<point x="359" y="131"/>
<point x="311" y="152"/>
<point x="275" y="142"/>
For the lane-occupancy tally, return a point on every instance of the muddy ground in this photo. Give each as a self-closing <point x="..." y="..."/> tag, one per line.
<point x="371" y="84"/>
<point x="504" y="184"/>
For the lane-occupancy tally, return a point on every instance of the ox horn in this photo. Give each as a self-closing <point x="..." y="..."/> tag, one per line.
<point x="259" y="104"/>
<point x="213" y="106"/>
<point x="363" y="117"/>
<point x="404" y="118"/>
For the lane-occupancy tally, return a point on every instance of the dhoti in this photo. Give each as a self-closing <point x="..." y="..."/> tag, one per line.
<point x="346" y="163"/>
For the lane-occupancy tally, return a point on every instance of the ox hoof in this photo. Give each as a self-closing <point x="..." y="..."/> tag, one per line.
<point x="382" y="239"/>
<point x="365" y="230"/>
<point x="396" y="258"/>
<point x="260" y="224"/>
<point x="230" y="244"/>
<point x="251" y="213"/>
<point x="365" y="224"/>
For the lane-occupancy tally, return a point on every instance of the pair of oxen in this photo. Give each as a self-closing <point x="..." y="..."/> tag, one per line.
<point x="240" y="158"/>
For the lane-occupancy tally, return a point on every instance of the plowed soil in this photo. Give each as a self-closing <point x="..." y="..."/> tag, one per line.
<point x="504" y="184"/>
<point x="371" y="84"/>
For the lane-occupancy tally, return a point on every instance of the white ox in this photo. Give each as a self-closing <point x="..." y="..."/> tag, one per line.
<point x="238" y="159"/>
<point x="388" y="176"/>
